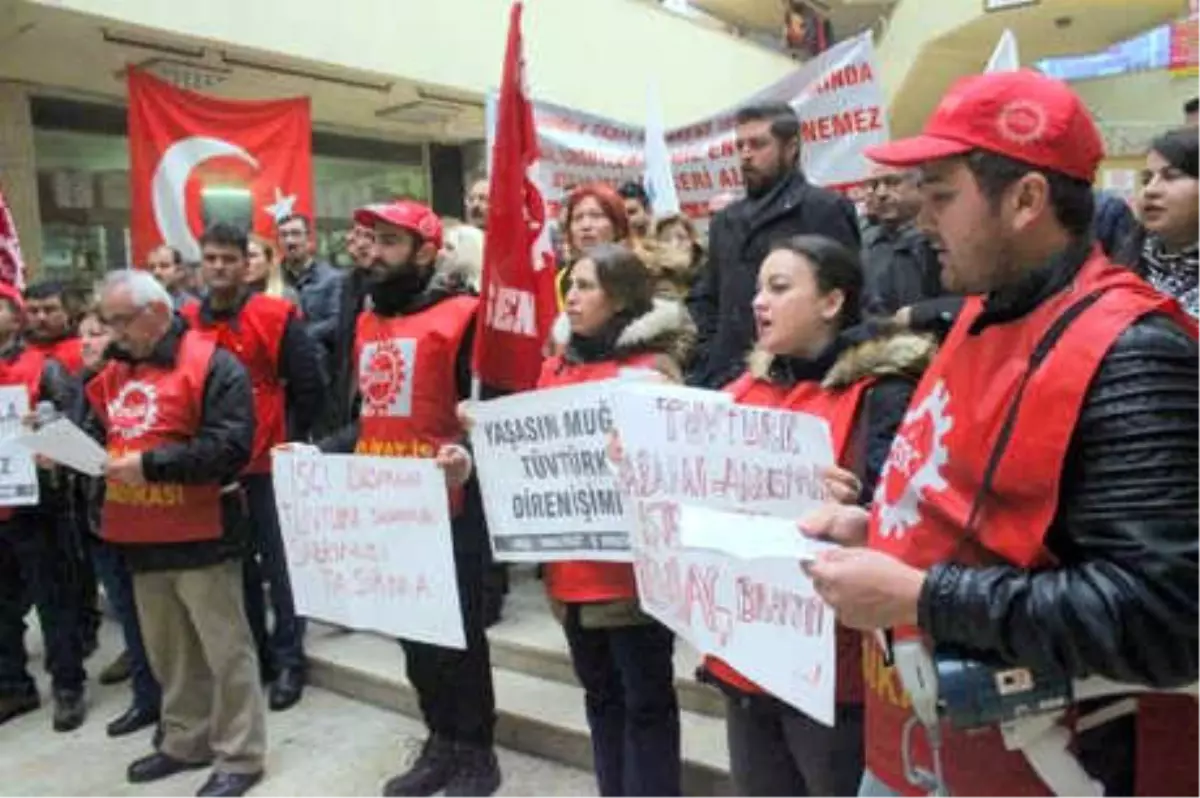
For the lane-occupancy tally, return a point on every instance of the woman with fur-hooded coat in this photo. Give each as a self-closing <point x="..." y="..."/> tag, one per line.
<point x="811" y="357"/>
<point x="614" y="327"/>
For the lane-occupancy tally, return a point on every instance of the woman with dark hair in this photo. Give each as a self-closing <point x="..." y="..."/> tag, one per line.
<point x="1164" y="250"/>
<point x="811" y="357"/>
<point x="618" y="328"/>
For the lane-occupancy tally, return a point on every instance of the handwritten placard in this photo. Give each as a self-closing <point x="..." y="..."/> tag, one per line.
<point x="18" y="474"/>
<point x="548" y="490"/>
<point x="689" y="454"/>
<point x="369" y="544"/>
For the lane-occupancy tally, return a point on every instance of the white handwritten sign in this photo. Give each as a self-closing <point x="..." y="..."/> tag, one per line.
<point x="695" y="450"/>
<point x="369" y="544"/>
<point x="18" y="474"/>
<point x="548" y="491"/>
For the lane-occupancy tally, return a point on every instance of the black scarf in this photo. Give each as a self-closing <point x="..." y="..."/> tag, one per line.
<point x="1176" y="274"/>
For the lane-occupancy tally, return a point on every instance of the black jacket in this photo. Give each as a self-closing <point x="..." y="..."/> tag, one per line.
<point x="901" y="270"/>
<point x="300" y="367"/>
<point x="342" y="371"/>
<point x="216" y="455"/>
<point x="319" y="289"/>
<point x="739" y="239"/>
<point x="1122" y="600"/>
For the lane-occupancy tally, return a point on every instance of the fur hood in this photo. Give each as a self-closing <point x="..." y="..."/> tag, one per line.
<point x="883" y="351"/>
<point x="666" y="328"/>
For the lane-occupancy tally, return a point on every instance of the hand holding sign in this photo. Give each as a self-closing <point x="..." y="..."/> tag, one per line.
<point x="838" y="523"/>
<point x="126" y="469"/>
<point x="455" y="462"/>
<point x="867" y="589"/>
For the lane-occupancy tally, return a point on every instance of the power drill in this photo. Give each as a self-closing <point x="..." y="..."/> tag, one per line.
<point x="974" y="692"/>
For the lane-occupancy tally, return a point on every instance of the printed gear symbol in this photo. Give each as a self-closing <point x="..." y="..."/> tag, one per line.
<point x="150" y="392"/>
<point x="896" y="518"/>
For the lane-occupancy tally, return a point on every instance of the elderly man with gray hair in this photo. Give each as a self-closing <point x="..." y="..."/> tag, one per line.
<point x="176" y="415"/>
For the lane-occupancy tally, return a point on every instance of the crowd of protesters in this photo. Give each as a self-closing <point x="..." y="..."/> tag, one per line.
<point x="979" y="275"/>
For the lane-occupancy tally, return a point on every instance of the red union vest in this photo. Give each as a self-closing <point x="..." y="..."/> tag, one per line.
<point x="934" y="472"/>
<point x="840" y="409"/>
<point x="24" y="369"/>
<point x="254" y="337"/>
<point x="587" y="581"/>
<point x="407" y="381"/>
<point x="144" y="406"/>
<point x="67" y="351"/>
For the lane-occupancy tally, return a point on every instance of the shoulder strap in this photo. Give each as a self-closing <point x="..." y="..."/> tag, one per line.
<point x="1040" y="352"/>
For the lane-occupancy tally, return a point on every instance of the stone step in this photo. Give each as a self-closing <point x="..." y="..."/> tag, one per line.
<point x="535" y="714"/>
<point x="529" y="640"/>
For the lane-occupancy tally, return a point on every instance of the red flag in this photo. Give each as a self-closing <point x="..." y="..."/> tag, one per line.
<point x="195" y="160"/>
<point x="12" y="266"/>
<point x="518" y="263"/>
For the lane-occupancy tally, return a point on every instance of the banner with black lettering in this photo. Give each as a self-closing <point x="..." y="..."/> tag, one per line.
<point x="838" y="97"/>
<point x="548" y="491"/>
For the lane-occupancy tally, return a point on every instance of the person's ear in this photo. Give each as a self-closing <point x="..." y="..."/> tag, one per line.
<point x="1028" y="199"/>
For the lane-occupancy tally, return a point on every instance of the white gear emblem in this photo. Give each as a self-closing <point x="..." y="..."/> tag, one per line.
<point x="903" y="511"/>
<point x="134" y="410"/>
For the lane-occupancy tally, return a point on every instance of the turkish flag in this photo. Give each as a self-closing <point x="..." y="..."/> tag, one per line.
<point x="195" y="160"/>
<point x="518" y="262"/>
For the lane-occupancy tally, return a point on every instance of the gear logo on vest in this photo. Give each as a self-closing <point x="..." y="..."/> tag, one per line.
<point x="385" y="377"/>
<point x="134" y="410"/>
<point x="915" y="463"/>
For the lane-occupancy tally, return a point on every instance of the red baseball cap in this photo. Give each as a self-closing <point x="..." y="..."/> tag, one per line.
<point x="405" y="214"/>
<point x="1023" y="115"/>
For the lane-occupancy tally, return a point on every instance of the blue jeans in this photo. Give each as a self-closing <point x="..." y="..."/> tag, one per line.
<point x="283" y="646"/>
<point x="629" y="683"/>
<point x="118" y="586"/>
<point x="872" y="787"/>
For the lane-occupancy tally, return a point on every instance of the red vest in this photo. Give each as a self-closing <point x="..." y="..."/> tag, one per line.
<point x="24" y="369"/>
<point x="67" y="351"/>
<point x="840" y="409"/>
<point x="143" y="407"/>
<point x="586" y="581"/>
<point x="408" y="383"/>
<point x="254" y="337"/>
<point x="934" y="473"/>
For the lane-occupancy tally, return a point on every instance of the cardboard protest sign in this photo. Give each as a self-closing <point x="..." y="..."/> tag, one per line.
<point x="691" y="456"/>
<point x="838" y="97"/>
<point x="18" y="474"/>
<point x="368" y="544"/>
<point x="548" y="490"/>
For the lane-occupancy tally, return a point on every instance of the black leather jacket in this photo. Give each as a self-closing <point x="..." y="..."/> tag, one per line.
<point x="1122" y="601"/>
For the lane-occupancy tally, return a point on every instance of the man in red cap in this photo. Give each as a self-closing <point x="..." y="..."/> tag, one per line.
<point x="412" y="351"/>
<point x="33" y="564"/>
<point x="1036" y="521"/>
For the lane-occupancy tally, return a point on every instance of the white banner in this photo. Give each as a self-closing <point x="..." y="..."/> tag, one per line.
<point x="691" y="453"/>
<point x="548" y="491"/>
<point x="837" y="95"/>
<point x="18" y="474"/>
<point x="369" y="544"/>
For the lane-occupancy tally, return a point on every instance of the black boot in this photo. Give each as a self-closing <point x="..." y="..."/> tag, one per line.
<point x="430" y="773"/>
<point x="70" y="710"/>
<point x="476" y="772"/>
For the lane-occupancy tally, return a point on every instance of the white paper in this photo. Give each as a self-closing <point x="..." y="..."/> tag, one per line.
<point x="746" y="537"/>
<point x="18" y="474"/>
<point x="65" y="444"/>
<point x="369" y="544"/>
<point x="691" y="454"/>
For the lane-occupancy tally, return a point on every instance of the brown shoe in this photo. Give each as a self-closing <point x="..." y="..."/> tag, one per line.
<point x="117" y="671"/>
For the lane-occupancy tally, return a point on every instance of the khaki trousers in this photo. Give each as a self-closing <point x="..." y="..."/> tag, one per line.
<point x="202" y="653"/>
